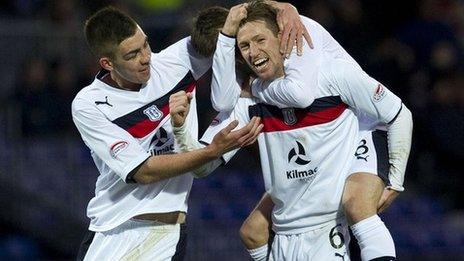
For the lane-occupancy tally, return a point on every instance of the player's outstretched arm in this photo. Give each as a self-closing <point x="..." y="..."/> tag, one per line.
<point x="365" y="94"/>
<point x="161" y="167"/>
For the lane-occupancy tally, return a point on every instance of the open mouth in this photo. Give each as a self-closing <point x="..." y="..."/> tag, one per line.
<point x="260" y="63"/>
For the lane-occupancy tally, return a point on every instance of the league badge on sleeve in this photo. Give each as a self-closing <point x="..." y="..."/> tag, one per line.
<point x="117" y="147"/>
<point x="380" y="92"/>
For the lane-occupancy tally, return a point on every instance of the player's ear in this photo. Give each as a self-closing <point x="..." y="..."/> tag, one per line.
<point x="106" y="63"/>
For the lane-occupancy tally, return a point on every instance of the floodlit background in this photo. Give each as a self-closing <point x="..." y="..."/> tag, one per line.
<point x="47" y="176"/>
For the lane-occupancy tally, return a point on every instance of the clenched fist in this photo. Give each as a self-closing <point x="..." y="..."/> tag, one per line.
<point x="179" y="105"/>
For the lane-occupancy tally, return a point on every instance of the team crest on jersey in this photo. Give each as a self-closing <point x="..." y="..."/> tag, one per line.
<point x="289" y="116"/>
<point x="117" y="147"/>
<point x="380" y="92"/>
<point x="153" y="113"/>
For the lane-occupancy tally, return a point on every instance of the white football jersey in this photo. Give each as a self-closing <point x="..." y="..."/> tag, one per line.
<point x="123" y="128"/>
<point x="307" y="153"/>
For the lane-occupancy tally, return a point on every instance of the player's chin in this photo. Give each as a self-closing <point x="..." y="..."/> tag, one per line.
<point x="265" y="76"/>
<point x="144" y="77"/>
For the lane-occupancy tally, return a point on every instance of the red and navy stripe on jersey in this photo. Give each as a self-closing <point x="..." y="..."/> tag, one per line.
<point x="322" y="110"/>
<point x="137" y="123"/>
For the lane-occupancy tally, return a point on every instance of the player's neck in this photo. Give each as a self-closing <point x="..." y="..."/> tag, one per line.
<point x="123" y="84"/>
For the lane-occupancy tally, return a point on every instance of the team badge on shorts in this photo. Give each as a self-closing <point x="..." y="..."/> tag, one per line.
<point x="118" y="147"/>
<point x="153" y="113"/>
<point x="380" y="92"/>
<point x="289" y="116"/>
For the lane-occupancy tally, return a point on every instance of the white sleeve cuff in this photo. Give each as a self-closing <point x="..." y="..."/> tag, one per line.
<point x="187" y="143"/>
<point x="399" y="145"/>
<point x="185" y="140"/>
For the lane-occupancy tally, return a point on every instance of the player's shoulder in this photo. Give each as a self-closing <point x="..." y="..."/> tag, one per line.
<point x="182" y="53"/>
<point x="337" y="68"/>
<point x="171" y="54"/>
<point x="180" y="48"/>
<point x="179" y="45"/>
<point x="86" y="95"/>
<point x="315" y="29"/>
<point x="308" y="21"/>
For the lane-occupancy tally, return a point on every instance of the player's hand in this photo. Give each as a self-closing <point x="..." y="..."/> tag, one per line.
<point x="236" y="14"/>
<point x="292" y="29"/>
<point x="387" y="198"/>
<point x="228" y="139"/>
<point x="179" y="106"/>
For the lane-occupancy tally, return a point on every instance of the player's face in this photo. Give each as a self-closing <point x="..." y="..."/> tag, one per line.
<point x="131" y="65"/>
<point x="260" y="49"/>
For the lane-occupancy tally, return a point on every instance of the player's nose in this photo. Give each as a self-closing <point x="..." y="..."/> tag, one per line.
<point x="254" y="51"/>
<point x="146" y="55"/>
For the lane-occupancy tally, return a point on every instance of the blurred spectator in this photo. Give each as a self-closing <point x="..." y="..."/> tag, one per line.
<point x="322" y="12"/>
<point x="444" y="58"/>
<point x="64" y="19"/>
<point x="428" y="29"/>
<point x="63" y="88"/>
<point x="392" y="62"/>
<point x="352" y="29"/>
<point x="32" y="98"/>
<point x="40" y="105"/>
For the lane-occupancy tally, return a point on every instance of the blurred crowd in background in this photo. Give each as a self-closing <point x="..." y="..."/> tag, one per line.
<point x="414" y="47"/>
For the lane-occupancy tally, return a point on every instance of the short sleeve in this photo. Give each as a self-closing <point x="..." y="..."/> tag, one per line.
<point x="362" y="92"/>
<point x="113" y="145"/>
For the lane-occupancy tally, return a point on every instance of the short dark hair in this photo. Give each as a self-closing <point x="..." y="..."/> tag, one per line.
<point x="260" y="11"/>
<point x="206" y="27"/>
<point x="106" y="29"/>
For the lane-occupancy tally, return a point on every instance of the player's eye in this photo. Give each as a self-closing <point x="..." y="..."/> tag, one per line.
<point x="130" y="57"/>
<point x="261" y="40"/>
